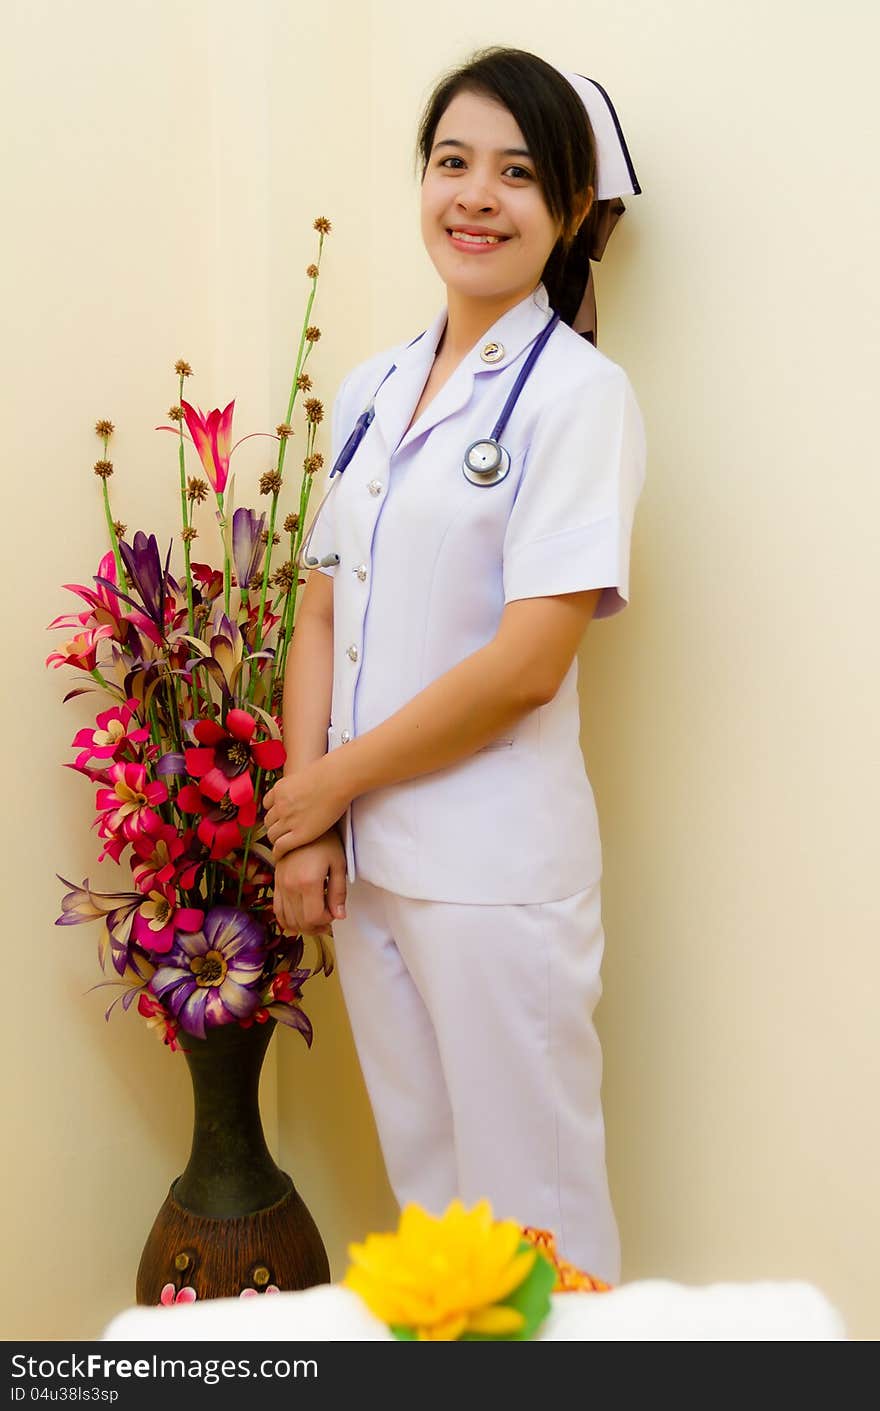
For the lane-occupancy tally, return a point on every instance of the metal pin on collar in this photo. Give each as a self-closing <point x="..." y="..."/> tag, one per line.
<point x="492" y="352"/>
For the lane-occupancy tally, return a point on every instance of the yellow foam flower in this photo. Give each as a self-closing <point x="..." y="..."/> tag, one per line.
<point x="443" y="1276"/>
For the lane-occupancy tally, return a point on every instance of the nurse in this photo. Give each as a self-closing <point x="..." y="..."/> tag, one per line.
<point x="435" y="809"/>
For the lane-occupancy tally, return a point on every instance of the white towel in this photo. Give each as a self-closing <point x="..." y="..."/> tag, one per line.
<point x="649" y="1311"/>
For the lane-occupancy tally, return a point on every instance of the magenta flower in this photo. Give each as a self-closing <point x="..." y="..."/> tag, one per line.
<point x="211" y="977"/>
<point x="222" y="766"/>
<point x="165" y="857"/>
<point x="212" y="438"/>
<point x="158" y="917"/>
<point x="169" y="1295"/>
<point x="111" y="735"/>
<point x="81" y="650"/>
<point x="127" y="808"/>
<point x="106" y="608"/>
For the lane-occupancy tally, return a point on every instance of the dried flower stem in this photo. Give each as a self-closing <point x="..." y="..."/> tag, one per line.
<point x="305" y="347"/>
<point x="289" y="613"/>
<point x="184" y="510"/>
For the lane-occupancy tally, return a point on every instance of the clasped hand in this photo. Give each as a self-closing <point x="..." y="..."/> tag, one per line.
<point x="302" y="806"/>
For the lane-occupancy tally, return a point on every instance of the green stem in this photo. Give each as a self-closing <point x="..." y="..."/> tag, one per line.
<point x="302" y="354"/>
<point x="227" y="567"/>
<point x="186" y="517"/>
<point x="107" y="685"/>
<point x="174" y="712"/>
<point x="111" y="528"/>
<point x="286" y="630"/>
<point x="247" y="842"/>
<point x="258" y="640"/>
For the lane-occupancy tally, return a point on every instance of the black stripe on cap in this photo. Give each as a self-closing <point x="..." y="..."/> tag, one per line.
<point x="637" y="190"/>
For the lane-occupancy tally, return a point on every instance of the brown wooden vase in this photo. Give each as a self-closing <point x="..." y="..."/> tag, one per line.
<point x="233" y="1220"/>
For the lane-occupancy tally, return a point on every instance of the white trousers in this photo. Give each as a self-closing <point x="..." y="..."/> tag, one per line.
<point x="473" y="1027"/>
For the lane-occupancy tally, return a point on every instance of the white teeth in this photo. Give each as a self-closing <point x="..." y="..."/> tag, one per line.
<point x="477" y="239"/>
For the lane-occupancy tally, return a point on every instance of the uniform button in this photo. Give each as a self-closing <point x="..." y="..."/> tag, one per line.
<point x="345" y="736"/>
<point x="353" y="652"/>
<point x="361" y="572"/>
<point x="375" y="487"/>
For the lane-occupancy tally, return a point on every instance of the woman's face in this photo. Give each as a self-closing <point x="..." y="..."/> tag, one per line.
<point x="480" y="179"/>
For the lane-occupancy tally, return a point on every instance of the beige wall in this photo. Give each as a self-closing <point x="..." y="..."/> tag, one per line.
<point x="163" y="164"/>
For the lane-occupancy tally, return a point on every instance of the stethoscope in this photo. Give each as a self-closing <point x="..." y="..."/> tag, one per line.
<point x="486" y="462"/>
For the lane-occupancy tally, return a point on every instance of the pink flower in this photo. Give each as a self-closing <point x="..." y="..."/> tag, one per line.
<point x="254" y="1293"/>
<point x="158" y="917"/>
<point x="212" y="437"/>
<point x="127" y="808"/>
<point x="81" y="650"/>
<point x="107" y="609"/>
<point x="164" y="1027"/>
<point x="168" y="1296"/>
<point x="111" y="735"/>
<point x="165" y="858"/>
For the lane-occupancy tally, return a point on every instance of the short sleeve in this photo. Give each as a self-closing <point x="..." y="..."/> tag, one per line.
<point x="324" y="538"/>
<point x="571" y="523"/>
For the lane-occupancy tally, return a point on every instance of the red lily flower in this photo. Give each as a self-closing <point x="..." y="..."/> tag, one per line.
<point x="210" y="581"/>
<point x="159" y="1020"/>
<point x="223" y="824"/>
<point x="222" y="767"/>
<point x="212" y="438"/>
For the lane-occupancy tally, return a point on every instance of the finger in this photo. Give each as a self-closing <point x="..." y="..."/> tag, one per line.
<point x="284" y="844"/>
<point x="314" y="912"/>
<point x="268" y="797"/>
<point x="279" y="903"/>
<point x="336" y="890"/>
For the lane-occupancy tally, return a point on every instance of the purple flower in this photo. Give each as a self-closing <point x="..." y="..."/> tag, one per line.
<point x="212" y="976"/>
<point x="144" y="568"/>
<point x="247" y="544"/>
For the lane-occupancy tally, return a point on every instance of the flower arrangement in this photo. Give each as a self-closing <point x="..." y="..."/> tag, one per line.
<point x="190" y="661"/>
<point x="462" y="1276"/>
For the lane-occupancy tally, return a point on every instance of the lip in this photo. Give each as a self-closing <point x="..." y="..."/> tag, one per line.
<point x="469" y="246"/>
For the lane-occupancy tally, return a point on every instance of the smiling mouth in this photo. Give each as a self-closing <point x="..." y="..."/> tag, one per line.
<point x="461" y="237"/>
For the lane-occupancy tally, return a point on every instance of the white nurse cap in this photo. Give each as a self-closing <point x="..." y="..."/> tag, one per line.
<point x="615" y="173"/>
<point x="615" y="178"/>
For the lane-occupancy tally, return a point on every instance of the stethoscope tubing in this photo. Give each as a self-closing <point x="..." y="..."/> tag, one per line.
<point x="364" y="421"/>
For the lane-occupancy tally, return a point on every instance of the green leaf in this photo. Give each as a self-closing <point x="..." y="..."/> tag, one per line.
<point x="531" y="1298"/>
<point x="404" y="1334"/>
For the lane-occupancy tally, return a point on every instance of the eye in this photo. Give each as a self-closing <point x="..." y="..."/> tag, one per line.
<point x="443" y="162"/>
<point x="520" y="173"/>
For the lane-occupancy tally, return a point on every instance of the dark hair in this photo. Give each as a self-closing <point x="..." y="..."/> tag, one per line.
<point x="558" y="134"/>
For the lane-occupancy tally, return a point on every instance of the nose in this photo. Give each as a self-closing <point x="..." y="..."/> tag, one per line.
<point x="477" y="193"/>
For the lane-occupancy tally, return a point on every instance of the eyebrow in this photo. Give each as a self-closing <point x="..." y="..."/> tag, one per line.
<point x="501" y="151"/>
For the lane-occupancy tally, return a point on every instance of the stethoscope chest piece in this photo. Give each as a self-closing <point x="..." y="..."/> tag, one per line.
<point x="485" y="462"/>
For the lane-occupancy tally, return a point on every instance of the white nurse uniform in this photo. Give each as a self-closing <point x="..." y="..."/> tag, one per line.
<point x="470" y="954"/>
